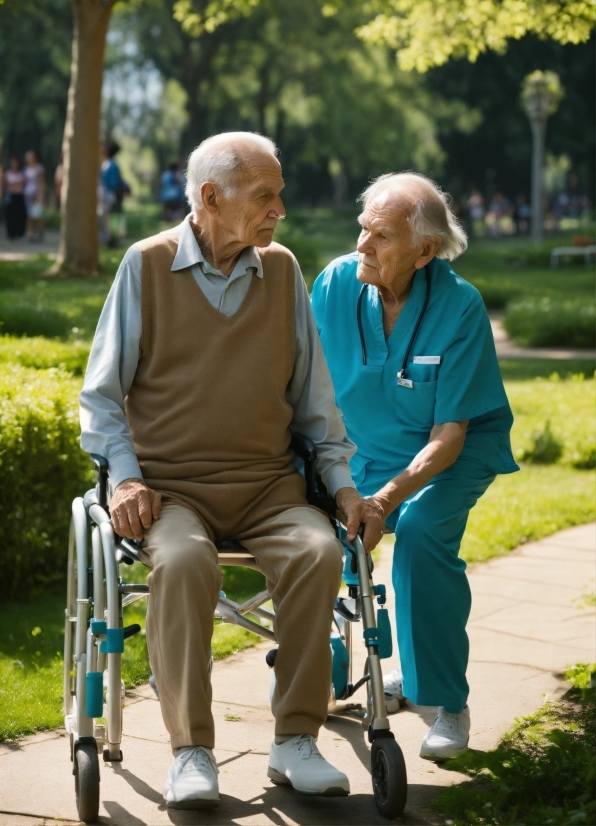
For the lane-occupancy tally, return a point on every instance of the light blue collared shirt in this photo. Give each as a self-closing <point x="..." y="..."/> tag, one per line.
<point x="116" y="350"/>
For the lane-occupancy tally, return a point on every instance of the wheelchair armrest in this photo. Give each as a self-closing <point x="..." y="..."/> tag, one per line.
<point x="303" y="447"/>
<point x="316" y="493"/>
<point x="101" y="468"/>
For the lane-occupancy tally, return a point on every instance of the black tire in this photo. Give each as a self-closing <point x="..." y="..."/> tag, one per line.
<point x="389" y="777"/>
<point x="86" y="766"/>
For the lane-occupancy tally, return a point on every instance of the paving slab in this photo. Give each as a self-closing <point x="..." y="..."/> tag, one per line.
<point x="526" y="626"/>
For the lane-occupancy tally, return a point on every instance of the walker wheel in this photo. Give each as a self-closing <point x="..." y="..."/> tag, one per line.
<point x="390" y="782"/>
<point x="86" y="772"/>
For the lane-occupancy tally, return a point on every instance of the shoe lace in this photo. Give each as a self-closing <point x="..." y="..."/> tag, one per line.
<point x="446" y="723"/>
<point x="198" y="759"/>
<point x="307" y="748"/>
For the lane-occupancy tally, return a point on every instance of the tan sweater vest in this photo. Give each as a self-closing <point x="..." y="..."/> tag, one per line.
<point x="208" y="400"/>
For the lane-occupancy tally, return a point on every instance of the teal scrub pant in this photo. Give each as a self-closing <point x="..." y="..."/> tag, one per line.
<point x="432" y="594"/>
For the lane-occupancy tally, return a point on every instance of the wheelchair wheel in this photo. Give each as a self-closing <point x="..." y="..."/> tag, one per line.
<point x="390" y="782"/>
<point x="86" y="772"/>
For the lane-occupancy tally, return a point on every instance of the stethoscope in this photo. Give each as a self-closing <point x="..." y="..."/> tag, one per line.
<point x="401" y="376"/>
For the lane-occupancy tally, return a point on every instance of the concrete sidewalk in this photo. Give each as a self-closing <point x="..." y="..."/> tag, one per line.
<point x="528" y="623"/>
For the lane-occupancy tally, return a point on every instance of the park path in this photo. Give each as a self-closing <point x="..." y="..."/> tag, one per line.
<point x="529" y="621"/>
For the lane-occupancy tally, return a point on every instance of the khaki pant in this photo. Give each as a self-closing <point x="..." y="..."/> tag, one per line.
<point x="298" y="553"/>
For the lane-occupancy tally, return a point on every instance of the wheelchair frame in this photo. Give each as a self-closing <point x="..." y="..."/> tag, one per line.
<point x="94" y="639"/>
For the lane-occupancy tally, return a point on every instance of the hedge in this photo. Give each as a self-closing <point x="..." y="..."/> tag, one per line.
<point x="42" y="468"/>
<point x="545" y="322"/>
<point x="44" y="353"/>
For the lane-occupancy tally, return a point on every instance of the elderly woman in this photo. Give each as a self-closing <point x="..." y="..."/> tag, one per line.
<point x="413" y="362"/>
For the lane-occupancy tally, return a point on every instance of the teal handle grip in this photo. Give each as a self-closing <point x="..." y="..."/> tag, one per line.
<point x="114" y="641"/>
<point x="384" y="632"/>
<point x="94" y="693"/>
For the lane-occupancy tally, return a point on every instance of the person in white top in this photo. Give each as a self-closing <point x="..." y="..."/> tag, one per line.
<point x="35" y="185"/>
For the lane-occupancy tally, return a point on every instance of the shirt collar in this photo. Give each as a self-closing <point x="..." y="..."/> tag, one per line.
<point x="189" y="253"/>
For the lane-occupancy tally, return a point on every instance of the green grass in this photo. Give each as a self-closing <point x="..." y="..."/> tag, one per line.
<point x="542" y="772"/>
<point x="526" y="506"/>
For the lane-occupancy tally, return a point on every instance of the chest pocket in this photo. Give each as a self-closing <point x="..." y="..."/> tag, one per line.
<point x="415" y="406"/>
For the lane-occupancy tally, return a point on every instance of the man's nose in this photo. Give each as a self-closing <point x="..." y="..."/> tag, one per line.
<point x="278" y="209"/>
<point x="364" y="245"/>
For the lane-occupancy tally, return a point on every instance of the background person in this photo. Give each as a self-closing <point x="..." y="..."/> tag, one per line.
<point x="35" y="192"/>
<point x="112" y="191"/>
<point x="203" y="418"/>
<point x="418" y="383"/>
<point x="171" y="193"/>
<point x="14" y="199"/>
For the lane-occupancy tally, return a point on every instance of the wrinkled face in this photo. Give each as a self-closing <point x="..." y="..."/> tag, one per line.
<point x="251" y="213"/>
<point x="386" y="252"/>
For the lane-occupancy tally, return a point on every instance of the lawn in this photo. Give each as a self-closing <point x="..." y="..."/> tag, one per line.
<point x="59" y="316"/>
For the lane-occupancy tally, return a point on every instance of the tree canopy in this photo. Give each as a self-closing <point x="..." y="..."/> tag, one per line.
<point x="428" y="33"/>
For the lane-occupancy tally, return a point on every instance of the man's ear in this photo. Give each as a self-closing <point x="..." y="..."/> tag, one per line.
<point x="210" y="197"/>
<point x="430" y="248"/>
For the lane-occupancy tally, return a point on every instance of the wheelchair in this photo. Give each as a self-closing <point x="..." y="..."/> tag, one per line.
<point x="94" y="639"/>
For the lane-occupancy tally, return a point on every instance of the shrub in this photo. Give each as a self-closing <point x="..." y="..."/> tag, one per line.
<point x="42" y="468"/>
<point x="584" y="456"/>
<point x="32" y="321"/>
<point x="544" y="449"/>
<point x="43" y="353"/>
<point x="544" y="322"/>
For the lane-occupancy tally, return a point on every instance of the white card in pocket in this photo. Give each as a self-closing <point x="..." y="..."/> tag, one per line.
<point x="427" y="360"/>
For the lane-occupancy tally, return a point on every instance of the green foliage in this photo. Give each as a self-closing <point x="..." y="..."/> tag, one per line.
<point x="430" y="32"/>
<point x="544" y="322"/>
<point x="582" y="676"/>
<point x="543" y="771"/>
<point x="544" y="449"/>
<point x="520" y="369"/>
<point x="42" y="469"/>
<point x="43" y="353"/>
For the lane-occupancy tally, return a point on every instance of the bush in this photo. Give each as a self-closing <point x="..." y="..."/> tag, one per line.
<point x="544" y="449"/>
<point x="42" y="468"/>
<point x="544" y="322"/>
<point x="584" y="456"/>
<point x="43" y="353"/>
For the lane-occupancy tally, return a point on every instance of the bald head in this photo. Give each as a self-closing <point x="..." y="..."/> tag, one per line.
<point x="410" y="197"/>
<point x="225" y="160"/>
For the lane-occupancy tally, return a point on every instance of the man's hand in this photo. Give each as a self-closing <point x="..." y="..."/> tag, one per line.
<point x="133" y="507"/>
<point x="359" y="511"/>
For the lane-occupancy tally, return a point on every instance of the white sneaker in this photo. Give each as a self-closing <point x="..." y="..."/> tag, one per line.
<point x="192" y="780"/>
<point x="448" y="736"/>
<point x="300" y="764"/>
<point x="394" y="695"/>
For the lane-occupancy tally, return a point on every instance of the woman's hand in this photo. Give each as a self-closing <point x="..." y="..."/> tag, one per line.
<point x="359" y="511"/>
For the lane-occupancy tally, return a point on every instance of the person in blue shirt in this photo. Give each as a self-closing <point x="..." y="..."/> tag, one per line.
<point x="413" y="362"/>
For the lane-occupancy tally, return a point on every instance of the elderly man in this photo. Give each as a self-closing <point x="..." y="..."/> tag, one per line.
<point x="205" y="357"/>
<point x="413" y="362"/>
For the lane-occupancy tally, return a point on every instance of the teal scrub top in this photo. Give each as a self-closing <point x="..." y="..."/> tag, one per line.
<point x="452" y="364"/>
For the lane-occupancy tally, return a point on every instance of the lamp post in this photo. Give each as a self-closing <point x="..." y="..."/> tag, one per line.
<point x="541" y="93"/>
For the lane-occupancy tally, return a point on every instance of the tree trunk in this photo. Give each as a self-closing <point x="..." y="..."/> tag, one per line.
<point x="79" y="236"/>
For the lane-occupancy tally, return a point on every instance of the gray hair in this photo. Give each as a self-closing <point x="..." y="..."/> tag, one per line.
<point x="431" y="215"/>
<point x="219" y="160"/>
